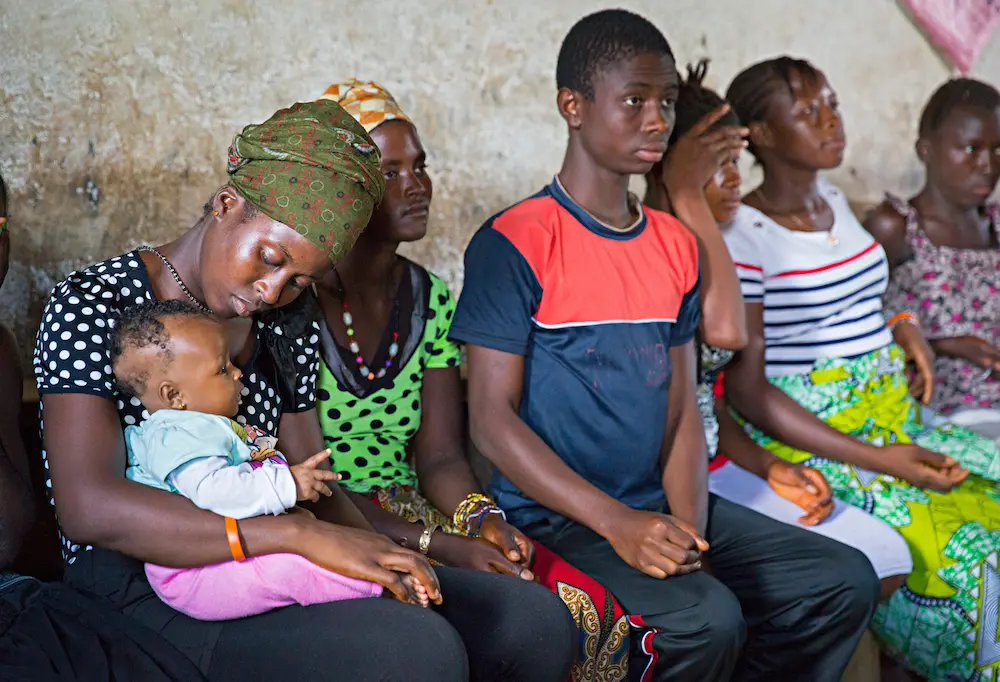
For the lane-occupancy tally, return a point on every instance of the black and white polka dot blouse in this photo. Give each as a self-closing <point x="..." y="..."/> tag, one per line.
<point x="72" y="353"/>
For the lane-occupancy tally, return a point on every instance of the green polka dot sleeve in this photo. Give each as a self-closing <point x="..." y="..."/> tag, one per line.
<point x="441" y="351"/>
<point x="369" y="436"/>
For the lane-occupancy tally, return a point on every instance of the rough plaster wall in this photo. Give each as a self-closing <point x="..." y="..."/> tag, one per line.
<point x="116" y="114"/>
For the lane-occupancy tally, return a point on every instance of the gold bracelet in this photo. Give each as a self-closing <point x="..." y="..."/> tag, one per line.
<point x="425" y="537"/>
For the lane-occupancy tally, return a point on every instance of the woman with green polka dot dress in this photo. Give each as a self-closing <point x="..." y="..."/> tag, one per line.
<point x="390" y="404"/>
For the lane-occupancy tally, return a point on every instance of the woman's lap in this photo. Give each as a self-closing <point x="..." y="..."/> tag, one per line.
<point x="943" y="621"/>
<point x="513" y="629"/>
<point x="355" y="639"/>
<point x="885" y="548"/>
<point x="50" y="631"/>
<point x="506" y="625"/>
<point x="340" y="639"/>
<point x="979" y="454"/>
<point x="939" y="622"/>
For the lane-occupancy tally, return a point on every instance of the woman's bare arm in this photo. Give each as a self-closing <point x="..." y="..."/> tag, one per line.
<point x="723" y="323"/>
<point x="735" y="444"/>
<point x="779" y="416"/>
<point x="97" y="505"/>
<point x="439" y="454"/>
<point x="301" y="438"/>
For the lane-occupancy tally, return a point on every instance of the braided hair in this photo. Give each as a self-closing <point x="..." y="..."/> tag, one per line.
<point x="695" y="101"/>
<point x="603" y="39"/>
<point x="955" y="93"/>
<point x="752" y="92"/>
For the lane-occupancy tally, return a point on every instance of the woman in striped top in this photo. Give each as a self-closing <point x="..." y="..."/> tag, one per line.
<point x="739" y="469"/>
<point x="813" y="280"/>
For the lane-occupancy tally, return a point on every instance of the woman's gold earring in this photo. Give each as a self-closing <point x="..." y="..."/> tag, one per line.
<point x="215" y="213"/>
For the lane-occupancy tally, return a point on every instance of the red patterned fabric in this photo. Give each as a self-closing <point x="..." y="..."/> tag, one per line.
<point x="959" y="28"/>
<point x="602" y="626"/>
<point x="720" y="458"/>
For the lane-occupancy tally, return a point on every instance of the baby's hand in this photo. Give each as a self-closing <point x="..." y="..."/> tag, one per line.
<point x="309" y="480"/>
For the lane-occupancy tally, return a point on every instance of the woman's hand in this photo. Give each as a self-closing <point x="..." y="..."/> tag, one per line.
<point x="699" y="153"/>
<point x="368" y="556"/>
<point x="805" y="487"/>
<point x="975" y="350"/>
<point x="474" y="553"/>
<point x="922" y="468"/>
<point x="512" y="542"/>
<point x="919" y="352"/>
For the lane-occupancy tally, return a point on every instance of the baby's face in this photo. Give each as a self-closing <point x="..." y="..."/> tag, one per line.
<point x="201" y="370"/>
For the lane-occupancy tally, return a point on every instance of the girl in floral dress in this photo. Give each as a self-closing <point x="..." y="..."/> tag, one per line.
<point x="942" y="244"/>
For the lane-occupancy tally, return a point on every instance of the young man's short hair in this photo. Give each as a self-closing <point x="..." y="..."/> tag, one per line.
<point x="602" y="39"/>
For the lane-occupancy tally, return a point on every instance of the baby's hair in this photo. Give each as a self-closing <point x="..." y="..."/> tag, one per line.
<point x="142" y="326"/>
<point x="600" y="40"/>
<point x="955" y="93"/>
<point x="695" y="101"/>
<point x="752" y="91"/>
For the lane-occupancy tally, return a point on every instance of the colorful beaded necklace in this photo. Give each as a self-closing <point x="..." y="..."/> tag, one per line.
<point x="352" y="344"/>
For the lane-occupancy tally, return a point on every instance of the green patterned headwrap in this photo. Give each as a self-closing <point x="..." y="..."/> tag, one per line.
<point x="314" y="168"/>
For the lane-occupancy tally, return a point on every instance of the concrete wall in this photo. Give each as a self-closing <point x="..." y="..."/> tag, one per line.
<point x="115" y="115"/>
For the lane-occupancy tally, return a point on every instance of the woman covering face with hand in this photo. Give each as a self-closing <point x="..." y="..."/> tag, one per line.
<point x="705" y="148"/>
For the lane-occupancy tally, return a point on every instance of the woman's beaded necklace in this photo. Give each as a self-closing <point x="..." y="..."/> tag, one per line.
<point x="177" y="278"/>
<point x="352" y="343"/>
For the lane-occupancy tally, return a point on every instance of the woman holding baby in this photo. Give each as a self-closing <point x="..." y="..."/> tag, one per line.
<point x="302" y="187"/>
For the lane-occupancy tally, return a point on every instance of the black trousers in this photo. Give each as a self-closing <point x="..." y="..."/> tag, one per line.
<point x="489" y="628"/>
<point x="781" y="603"/>
<point x="51" y="632"/>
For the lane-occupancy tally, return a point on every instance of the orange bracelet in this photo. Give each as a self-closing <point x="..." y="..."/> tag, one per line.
<point x="900" y="317"/>
<point x="233" y="534"/>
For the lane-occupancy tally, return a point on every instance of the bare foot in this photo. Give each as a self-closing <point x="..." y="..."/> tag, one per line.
<point x="418" y="593"/>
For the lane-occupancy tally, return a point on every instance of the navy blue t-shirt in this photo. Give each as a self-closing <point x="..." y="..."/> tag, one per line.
<point x="595" y="312"/>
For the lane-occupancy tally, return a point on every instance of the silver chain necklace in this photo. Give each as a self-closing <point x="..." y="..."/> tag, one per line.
<point x="831" y="238"/>
<point x="177" y="278"/>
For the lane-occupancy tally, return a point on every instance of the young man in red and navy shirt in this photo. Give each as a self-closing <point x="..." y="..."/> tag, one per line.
<point x="579" y="311"/>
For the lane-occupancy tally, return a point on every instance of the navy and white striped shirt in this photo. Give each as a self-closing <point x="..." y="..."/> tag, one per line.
<point x="820" y="300"/>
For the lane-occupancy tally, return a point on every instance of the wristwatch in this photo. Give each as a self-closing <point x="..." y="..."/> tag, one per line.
<point x="425" y="537"/>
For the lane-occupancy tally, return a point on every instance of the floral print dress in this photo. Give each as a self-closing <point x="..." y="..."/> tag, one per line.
<point x="954" y="293"/>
